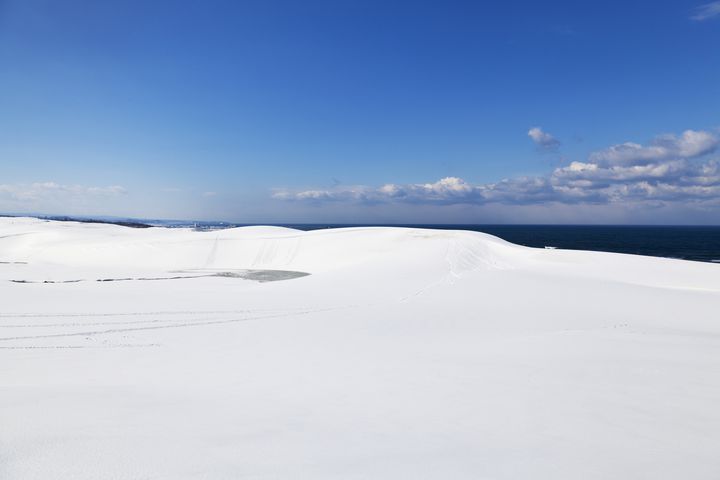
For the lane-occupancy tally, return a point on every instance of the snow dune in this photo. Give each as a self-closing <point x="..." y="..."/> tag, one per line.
<point x="266" y="352"/>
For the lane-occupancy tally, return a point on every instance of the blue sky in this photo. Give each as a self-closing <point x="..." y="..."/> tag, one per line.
<point x="362" y="111"/>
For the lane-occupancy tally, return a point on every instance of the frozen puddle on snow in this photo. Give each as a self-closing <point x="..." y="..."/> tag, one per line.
<point x="261" y="276"/>
<point x="256" y="275"/>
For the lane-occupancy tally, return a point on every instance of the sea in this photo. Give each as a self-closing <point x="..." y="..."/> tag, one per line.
<point x="696" y="243"/>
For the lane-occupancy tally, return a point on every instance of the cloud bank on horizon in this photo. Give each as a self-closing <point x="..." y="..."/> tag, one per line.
<point x="42" y="195"/>
<point x="670" y="169"/>
<point x="42" y="190"/>
<point x="674" y="172"/>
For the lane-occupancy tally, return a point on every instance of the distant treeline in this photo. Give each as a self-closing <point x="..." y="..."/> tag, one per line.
<point x="123" y="223"/>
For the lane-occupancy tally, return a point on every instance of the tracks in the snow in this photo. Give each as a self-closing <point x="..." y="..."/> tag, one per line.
<point x="100" y="325"/>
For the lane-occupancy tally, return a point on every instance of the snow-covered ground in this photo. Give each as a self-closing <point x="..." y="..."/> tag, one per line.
<point x="404" y="354"/>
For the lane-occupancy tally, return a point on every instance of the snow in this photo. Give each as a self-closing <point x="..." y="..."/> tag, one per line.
<point x="405" y="353"/>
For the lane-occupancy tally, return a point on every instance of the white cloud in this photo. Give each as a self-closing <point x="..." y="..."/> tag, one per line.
<point x="51" y="195"/>
<point x="33" y="191"/>
<point x="706" y="11"/>
<point x="543" y="139"/>
<point x="667" y="170"/>
<point x="688" y="145"/>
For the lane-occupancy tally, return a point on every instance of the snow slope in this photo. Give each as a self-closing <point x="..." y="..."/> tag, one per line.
<point x="405" y="353"/>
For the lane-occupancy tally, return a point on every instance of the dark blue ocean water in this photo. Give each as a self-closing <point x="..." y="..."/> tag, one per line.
<point x="699" y="243"/>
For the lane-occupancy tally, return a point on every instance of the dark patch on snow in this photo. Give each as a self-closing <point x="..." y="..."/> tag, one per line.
<point x="261" y="276"/>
